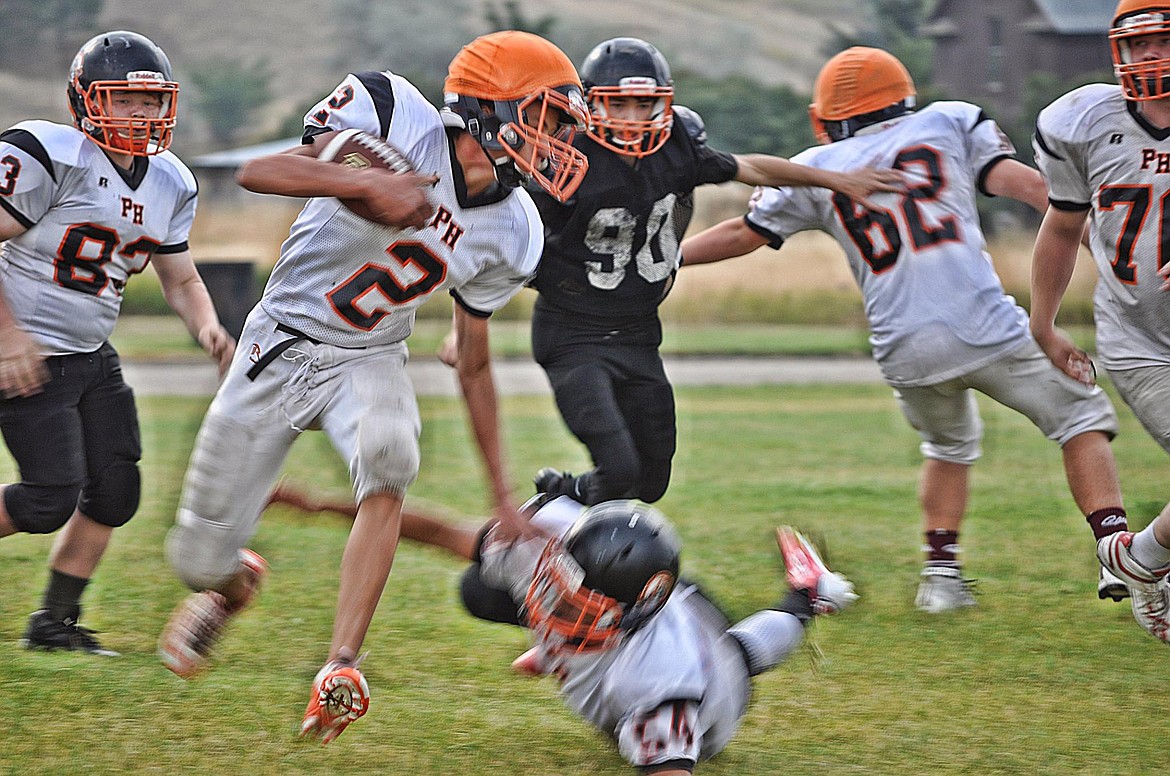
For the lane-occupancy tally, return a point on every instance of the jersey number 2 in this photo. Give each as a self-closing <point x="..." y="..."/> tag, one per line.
<point x="860" y="222"/>
<point x="420" y="272"/>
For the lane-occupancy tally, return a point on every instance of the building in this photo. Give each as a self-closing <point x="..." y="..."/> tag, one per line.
<point x="988" y="51"/>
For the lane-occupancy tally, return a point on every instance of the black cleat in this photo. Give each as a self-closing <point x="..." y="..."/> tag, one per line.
<point x="45" y="633"/>
<point x="549" y="480"/>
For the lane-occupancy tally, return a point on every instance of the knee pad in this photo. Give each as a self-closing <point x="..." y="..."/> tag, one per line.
<point x="204" y="556"/>
<point x="112" y="498"/>
<point x="386" y="458"/>
<point x="40" y="509"/>
<point x="484" y="602"/>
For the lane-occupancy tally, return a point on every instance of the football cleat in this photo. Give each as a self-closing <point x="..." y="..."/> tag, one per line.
<point x="196" y="625"/>
<point x="46" y="633"/>
<point x="549" y="480"/>
<point x="828" y="592"/>
<point x="340" y="696"/>
<point x="1110" y="586"/>
<point x="1149" y="589"/>
<point x="943" y="589"/>
<point x="531" y="663"/>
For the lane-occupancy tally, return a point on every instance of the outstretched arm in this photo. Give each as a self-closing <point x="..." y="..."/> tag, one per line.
<point x="1053" y="260"/>
<point x="764" y="170"/>
<point x="418" y="524"/>
<point x="725" y="240"/>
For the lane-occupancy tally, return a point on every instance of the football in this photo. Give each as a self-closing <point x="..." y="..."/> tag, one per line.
<point x="355" y="148"/>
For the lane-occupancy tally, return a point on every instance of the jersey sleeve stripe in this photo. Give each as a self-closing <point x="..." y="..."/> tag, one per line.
<point x="1070" y="207"/>
<point x="20" y="217"/>
<point x="382" y="93"/>
<point x="176" y="248"/>
<point x="1043" y="146"/>
<point x="473" y="312"/>
<point x="981" y="179"/>
<point x="27" y="142"/>
<point x="312" y="132"/>
<point x="774" y="240"/>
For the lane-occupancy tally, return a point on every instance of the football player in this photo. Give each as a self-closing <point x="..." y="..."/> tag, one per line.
<point x="646" y="658"/>
<point x="325" y="347"/>
<point x="1104" y="152"/>
<point x="610" y="258"/>
<point x="941" y="325"/>
<point x="82" y="208"/>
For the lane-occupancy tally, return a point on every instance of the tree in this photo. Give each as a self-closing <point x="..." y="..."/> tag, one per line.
<point x="744" y="116"/>
<point x="44" y="33"/>
<point x="229" y="92"/>
<point x="510" y="17"/>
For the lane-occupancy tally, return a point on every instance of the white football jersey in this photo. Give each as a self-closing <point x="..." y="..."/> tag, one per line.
<point x="935" y="305"/>
<point x="675" y="689"/>
<point x="90" y="226"/>
<point x="1098" y="154"/>
<point x="350" y="282"/>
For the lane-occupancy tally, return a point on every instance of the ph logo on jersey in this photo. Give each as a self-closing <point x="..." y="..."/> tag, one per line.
<point x="132" y="210"/>
<point x="1156" y="160"/>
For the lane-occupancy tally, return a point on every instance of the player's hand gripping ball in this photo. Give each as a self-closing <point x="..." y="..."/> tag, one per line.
<point x="361" y="150"/>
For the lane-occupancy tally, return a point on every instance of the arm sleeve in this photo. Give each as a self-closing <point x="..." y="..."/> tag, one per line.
<point x="1060" y="163"/>
<point x="987" y="146"/>
<point x="714" y="166"/>
<point x="363" y="101"/>
<point x="27" y="179"/>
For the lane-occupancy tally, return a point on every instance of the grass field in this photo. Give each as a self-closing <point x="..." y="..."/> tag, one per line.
<point x="1040" y="678"/>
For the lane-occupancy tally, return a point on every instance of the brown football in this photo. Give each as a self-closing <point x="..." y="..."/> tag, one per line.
<point x="355" y="148"/>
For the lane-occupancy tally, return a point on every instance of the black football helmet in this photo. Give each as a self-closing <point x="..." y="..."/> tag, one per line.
<point x="628" y="67"/>
<point x="608" y="576"/>
<point x="122" y="61"/>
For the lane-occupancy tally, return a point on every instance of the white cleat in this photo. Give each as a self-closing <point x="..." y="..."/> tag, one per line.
<point x="943" y="589"/>
<point x="1149" y="589"/>
<point x="829" y="592"/>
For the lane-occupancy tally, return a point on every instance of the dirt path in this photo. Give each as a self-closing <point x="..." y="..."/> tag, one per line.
<point x="520" y="377"/>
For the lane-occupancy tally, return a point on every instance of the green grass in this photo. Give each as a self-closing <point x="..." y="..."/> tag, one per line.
<point x="1032" y="681"/>
<point x="164" y="337"/>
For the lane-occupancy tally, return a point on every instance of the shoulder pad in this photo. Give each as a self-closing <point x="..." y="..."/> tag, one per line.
<point x="692" y="122"/>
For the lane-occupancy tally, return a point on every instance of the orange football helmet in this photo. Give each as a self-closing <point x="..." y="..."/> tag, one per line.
<point x="506" y="89"/>
<point x="856" y="88"/>
<point x="115" y="62"/>
<point x="1141" y="79"/>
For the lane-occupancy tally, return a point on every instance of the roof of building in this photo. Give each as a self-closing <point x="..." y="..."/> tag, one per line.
<point x="234" y="157"/>
<point x="1064" y="17"/>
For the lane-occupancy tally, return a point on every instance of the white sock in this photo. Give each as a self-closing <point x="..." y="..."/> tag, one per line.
<point x="1146" y="550"/>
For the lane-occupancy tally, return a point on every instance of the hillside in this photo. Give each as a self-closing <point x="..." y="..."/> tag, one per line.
<point x="308" y="44"/>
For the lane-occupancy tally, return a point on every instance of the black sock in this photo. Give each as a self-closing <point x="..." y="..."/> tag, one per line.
<point x="63" y="596"/>
<point x="798" y="604"/>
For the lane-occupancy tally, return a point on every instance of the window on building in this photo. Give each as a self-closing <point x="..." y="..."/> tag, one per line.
<point x="995" y="53"/>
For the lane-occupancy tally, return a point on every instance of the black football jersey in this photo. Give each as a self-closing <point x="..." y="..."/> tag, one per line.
<point x="611" y="251"/>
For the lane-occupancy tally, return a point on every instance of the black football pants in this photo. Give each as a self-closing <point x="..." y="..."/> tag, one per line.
<point x="616" y="399"/>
